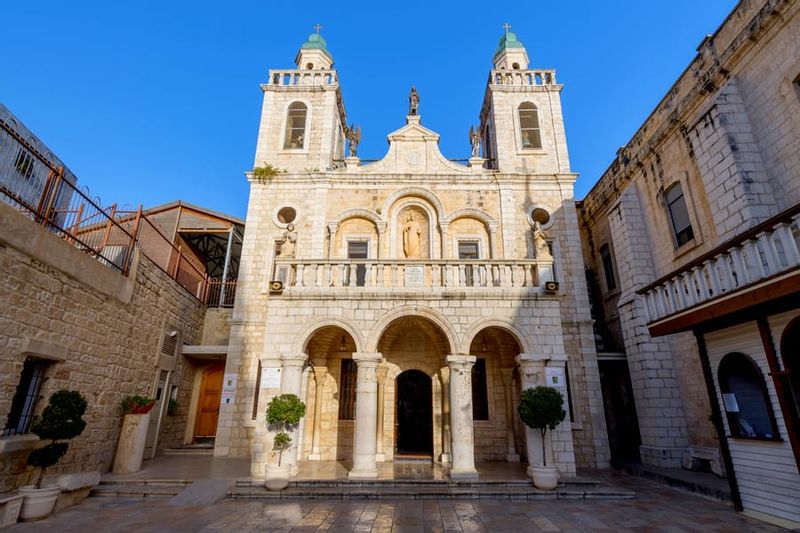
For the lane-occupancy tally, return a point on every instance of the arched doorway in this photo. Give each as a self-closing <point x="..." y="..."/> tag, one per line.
<point x="414" y="414"/>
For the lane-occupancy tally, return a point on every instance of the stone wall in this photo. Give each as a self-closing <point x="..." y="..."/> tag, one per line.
<point x="101" y="330"/>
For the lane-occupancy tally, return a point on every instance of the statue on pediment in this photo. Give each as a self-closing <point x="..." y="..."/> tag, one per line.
<point x="413" y="102"/>
<point x="475" y="142"/>
<point x="288" y="243"/>
<point x="353" y="136"/>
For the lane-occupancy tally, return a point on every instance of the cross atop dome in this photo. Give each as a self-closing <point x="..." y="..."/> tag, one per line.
<point x="314" y="52"/>
<point x="510" y="53"/>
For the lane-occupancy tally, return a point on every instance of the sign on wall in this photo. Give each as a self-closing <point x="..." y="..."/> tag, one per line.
<point x="270" y="378"/>
<point x="229" y="389"/>
<point x="414" y="276"/>
<point x="554" y="377"/>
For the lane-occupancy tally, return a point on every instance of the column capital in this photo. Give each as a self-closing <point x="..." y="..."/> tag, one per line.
<point x="294" y="359"/>
<point x="368" y="359"/>
<point x="381" y="226"/>
<point x="539" y="358"/>
<point x="461" y="361"/>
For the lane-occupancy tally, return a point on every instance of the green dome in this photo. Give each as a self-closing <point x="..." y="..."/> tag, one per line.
<point x="315" y="41"/>
<point x="508" y="40"/>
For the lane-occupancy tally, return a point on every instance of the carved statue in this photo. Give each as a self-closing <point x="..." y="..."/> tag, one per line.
<point x="354" y="137"/>
<point x="540" y="248"/>
<point x="475" y="142"/>
<point x="288" y="243"/>
<point x="411" y="238"/>
<point x="413" y="102"/>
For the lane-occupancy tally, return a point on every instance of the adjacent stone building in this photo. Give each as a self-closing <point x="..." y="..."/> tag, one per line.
<point x="408" y="301"/>
<point x="691" y="244"/>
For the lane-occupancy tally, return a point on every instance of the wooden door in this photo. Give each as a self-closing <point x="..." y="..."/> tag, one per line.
<point x="208" y="402"/>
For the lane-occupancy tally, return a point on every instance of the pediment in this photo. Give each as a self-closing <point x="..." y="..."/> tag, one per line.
<point x="414" y="149"/>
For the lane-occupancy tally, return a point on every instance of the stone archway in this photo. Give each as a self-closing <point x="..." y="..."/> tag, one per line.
<point x="413" y="346"/>
<point x="331" y="394"/>
<point x="499" y="434"/>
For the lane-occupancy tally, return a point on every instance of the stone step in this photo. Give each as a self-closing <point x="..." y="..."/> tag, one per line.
<point x="431" y="492"/>
<point x="429" y="483"/>
<point x="136" y="491"/>
<point x="189" y="451"/>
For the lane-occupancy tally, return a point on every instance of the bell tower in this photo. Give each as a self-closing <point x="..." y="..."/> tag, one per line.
<point x="303" y="115"/>
<point x="522" y="127"/>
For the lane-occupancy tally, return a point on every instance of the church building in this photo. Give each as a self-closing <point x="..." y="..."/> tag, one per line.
<point x="409" y="301"/>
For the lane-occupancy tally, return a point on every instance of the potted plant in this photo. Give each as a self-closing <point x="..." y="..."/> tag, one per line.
<point x="133" y="437"/>
<point x="283" y="415"/>
<point x="542" y="408"/>
<point x="60" y="421"/>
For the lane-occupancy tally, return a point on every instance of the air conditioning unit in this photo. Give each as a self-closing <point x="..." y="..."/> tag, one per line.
<point x="551" y="287"/>
<point x="276" y="287"/>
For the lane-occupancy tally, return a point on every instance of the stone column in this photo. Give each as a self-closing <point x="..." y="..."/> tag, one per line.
<point x="262" y="452"/>
<point x="320" y="371"/>
<point x="291" y="383"/>
<point x="364" y="445"/>
<point x="463" y="441"/>
<point x="379" y="249"/>
<point x="382" y="370"/>
<point x="511" y="438"/>
<point x="444" y="229"/>
<point x="446" y="456"/>
<point x="531" y="373"/>
<point x="493" y="240"/>
<point x="332" y="229"/>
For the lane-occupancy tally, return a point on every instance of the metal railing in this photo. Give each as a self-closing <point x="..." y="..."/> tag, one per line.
<point x="47" y="194"/>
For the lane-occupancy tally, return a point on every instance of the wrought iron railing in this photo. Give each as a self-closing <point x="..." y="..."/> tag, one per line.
<point x="46" y="192"/>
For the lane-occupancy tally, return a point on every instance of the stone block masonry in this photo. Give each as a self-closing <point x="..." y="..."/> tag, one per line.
<point x="101" y="330"/>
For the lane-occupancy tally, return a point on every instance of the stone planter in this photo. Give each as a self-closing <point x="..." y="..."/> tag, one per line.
<point x="130" y="448"/>
<point x="544" y="477"/>
<point x="277" y="477"/>
<point x="10" y="506"/>
<point x="38" y="503"/>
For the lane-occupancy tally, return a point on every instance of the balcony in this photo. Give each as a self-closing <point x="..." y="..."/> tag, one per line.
<point x="762" y="263"/>
<point x="308" y="78"/>
<point x="432" y="274"/>
<point x="523" y="77"/>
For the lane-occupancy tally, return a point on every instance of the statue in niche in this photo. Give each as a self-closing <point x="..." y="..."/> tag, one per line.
<point x="353" y="136"/>
<point x="288" y="242"/>
<point x="413" y="102"/>
<point x="411" y="237"/>
<point x="475" y="142"/>
<point x="540" y="248"/>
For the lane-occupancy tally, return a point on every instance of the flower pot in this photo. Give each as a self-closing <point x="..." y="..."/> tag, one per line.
<point x="544" y="477"/>
<point x="10" y="505"/>
<point x="277" y="477"/>
<point x="37" y="503"/>
<point x="132" y="440"/>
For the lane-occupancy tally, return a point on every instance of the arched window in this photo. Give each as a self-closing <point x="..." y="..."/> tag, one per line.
<point x="745" y="398"/>
<point x="790" y="351"/>
<point x="295" y="126"/>
<point x="679" y="214"/>
<point x="530" y="135"/>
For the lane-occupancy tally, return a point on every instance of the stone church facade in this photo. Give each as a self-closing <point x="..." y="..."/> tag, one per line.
<point x="409" y="301"/>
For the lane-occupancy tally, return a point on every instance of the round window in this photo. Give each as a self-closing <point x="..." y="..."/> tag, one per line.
<point x="286" y="215"/>
<point x="540" y="215"/>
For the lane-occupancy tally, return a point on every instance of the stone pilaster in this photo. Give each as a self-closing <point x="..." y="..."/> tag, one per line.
<point x="508" y="383"/>
<point x="463" y="440"/>
<point x="531" y="373"/>
<point x="365" y="443"/>
<point x="320" y="372"/>
<point x="382" y="370"/>
<point x="445" y="375"/>
<point x="291" y="383"/>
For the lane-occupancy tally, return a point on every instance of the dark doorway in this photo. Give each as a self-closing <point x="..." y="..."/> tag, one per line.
<point x="414" y="419"/>
<point x="621" y="420"/>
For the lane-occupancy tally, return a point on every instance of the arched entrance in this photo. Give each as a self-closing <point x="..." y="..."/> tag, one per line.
<point x="414" y="414"/>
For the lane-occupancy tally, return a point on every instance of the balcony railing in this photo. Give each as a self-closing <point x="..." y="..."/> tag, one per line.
<point x="522" y="77"/>
<point x="405" y="274"/>
<point x="302" y="77"/>
<point x="763" y="252"/>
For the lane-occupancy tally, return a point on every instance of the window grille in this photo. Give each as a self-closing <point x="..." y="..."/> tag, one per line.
<point x="24" y="402"/>
<point x="347" y="390"/>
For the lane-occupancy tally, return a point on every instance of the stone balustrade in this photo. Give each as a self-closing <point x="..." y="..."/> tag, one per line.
<point x="290" y="78"/>
<point x="766" y="251"/>
<point x="410" y="274"/>
<point x="522" y="77"/>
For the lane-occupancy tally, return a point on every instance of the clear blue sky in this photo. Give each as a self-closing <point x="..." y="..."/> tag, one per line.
<point x="154" y="101"/>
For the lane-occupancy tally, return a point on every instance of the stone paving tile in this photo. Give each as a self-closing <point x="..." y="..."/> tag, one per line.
<point x="657" y="509"/>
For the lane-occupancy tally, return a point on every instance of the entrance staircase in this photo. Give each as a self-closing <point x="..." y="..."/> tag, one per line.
<point x="345" y="489"/>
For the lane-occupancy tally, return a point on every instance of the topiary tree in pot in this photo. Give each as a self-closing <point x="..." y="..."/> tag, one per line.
<point x="61" y="421"/>
<point x="542" y="408"/>
<point x="284" y="413"/>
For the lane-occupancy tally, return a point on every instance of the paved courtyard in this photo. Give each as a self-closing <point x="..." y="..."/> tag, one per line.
<point x="657" y="508"/>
